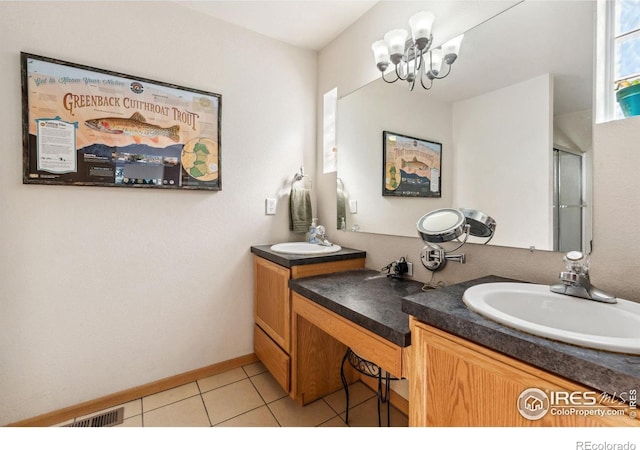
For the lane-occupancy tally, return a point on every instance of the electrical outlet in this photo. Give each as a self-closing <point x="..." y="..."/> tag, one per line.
<point x="353" y="206"/>
<point x="270" y="206"/>
<point x="409" y="269"/>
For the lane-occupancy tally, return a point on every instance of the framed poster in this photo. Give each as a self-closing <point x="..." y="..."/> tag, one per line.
<point x="410" y="166"/>
<point x="88" y="126"/>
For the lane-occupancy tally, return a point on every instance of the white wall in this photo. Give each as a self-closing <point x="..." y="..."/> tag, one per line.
<point x="616" y="255"/>
<point x="502" y="148"/>
<point x="104" y="289"/>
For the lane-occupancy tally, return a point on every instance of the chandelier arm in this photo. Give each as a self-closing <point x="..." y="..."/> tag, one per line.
<point x="423" y="64"/>
<point x="416" y="68"/>
<point x="389" y="81"/>
<point x="399" y="75"/>
<point x="446" y="74"/>
<point x="422" y="83"/>
<point x="418" y="57"/>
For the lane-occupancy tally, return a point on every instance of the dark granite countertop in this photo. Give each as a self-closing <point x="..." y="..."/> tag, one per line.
<point x="290" y="260"/>
<point x="364" y="296"/>
<point x="443" y="308"/>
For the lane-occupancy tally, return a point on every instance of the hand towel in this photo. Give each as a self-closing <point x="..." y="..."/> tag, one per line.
<point x="341" y="204"/>
<point x="300" y="210"/>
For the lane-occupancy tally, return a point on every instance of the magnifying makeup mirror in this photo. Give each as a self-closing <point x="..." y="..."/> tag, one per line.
<point x="481" y="224"/>
<point x="441" y="225"/>
<point x="448" y="224"/>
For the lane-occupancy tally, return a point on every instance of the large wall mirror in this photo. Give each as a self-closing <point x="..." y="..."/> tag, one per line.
<point x="514" y="119"/>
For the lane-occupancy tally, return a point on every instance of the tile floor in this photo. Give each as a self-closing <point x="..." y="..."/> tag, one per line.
<point x="250" y="397"/>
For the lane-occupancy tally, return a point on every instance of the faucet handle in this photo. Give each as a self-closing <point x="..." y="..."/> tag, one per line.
<point x="576" y="262"/>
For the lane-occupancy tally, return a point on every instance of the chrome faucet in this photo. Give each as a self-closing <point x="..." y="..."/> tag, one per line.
<point x="321" y="236"/>
<point x="576" y="281"/>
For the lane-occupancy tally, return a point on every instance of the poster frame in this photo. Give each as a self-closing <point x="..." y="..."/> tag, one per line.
<point x="33" y="173"/>
<point x="388" y="190"/>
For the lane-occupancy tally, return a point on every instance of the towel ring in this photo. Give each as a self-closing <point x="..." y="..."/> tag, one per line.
<point x="300" y="176"/>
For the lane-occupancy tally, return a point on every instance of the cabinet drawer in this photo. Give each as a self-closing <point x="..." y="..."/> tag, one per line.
<point x="273" y="357"/>
<point x="272" y="301"/>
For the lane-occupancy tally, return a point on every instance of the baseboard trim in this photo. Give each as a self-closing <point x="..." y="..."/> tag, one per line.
<point x="118" y="398"/>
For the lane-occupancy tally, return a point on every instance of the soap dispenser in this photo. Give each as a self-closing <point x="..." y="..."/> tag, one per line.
<point x="313" y="232"/>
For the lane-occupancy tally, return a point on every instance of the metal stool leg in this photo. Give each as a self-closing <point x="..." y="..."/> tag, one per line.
<point x="371" y="370"/>
<point x="388" y="392"/>
<point x="383" y="396"/>
<point x="379" y="395"/>
<point x="344" y="383"/>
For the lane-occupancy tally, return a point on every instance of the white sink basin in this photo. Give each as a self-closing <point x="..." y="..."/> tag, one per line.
<point x="305" y="248"/>
<point x="534" y="309"/>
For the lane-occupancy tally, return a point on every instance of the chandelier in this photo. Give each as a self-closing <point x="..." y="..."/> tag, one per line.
<point x="413" y="57"/>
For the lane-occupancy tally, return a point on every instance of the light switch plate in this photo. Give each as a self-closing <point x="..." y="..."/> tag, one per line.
<point x="353" y="206"/>
<point x="270" y="206"/>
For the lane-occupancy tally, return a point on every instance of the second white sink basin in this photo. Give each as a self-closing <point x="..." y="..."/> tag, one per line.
<point x="533" y="308"/>
<point x="305" y="248"/>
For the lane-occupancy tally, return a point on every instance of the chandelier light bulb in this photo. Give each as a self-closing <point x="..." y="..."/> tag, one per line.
<point x="396" y="40"/>
<point x="381" y="55"/>
<point x="421" y="24"/>
<point x="451" y="49"/>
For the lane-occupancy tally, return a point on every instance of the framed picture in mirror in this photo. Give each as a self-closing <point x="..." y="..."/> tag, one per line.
<point x="411" y="166"/>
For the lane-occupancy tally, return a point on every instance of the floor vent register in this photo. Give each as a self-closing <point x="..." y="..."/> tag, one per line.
<point x="107" y="419"/>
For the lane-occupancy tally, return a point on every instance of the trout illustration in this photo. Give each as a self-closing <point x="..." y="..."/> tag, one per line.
<point x="135" y="126"/>
<point x="414" y="164"/>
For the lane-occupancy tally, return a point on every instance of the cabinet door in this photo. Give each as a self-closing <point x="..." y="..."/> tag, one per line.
<point x="272" y="302"/>
<point x="455" y="382"/>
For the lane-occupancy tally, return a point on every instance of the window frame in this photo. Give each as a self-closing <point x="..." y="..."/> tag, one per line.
<point x="607" y="107"/>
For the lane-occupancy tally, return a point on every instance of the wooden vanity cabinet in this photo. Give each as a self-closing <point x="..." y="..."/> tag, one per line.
<point x="272" y="310"/>
<point x="454" y="382"/>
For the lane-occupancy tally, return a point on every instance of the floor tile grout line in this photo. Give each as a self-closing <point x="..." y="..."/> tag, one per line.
<point x="261" y="396"/>
<point x="206" y="411"/>
<point x="169" y="404"/>
<point x="330" y="419"/>
<point x="331" y="409"/>
<point x="203" y="403"/>
<point x="248" y="375"/>
<point x="329" y="405"/>
<point x="353" y="405"/>
<point x="243" y="413"/>
<point x="274" y="415"/>
<point x="257" y="390"/>
<point x="265" y="401"/>
<point x="221" y="386"/>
